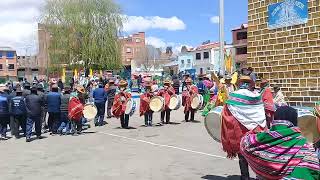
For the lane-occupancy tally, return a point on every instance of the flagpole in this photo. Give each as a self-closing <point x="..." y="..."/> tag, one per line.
<point x="221" y="34"/>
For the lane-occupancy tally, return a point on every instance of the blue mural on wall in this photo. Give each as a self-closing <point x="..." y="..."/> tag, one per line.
<point x="287" y="13"/>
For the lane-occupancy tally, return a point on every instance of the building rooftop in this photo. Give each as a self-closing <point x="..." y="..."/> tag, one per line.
<point x="6" y="49"/>
<point x="242" y="26"/>
<point x="207" y="46"/>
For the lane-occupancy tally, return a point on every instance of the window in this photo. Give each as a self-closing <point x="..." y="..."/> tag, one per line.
<point x="1" y="67"/>
<point x="206" y="55"/>
<point x="241" y="35"/>
<point x="10" y="55"/>
<point x="128" y="50"/>
<point x="208" y="68"/>
<point x="198" y="56"/>
<point x="182" y="61"/>
<point x="241" y="51"/>
<point x="138" y="40"/>
<point x="189" y="61"/>
<point x="11" y="66"/>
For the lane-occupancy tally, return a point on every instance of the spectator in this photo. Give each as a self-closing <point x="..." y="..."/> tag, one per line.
<point x="65" y="123"/>
<point x="60" y="85"/>
<point x="100" y="97"/>
<point x="4" y="112"/>
<point x="54" y="102"/>
<point x="18" y="112"/>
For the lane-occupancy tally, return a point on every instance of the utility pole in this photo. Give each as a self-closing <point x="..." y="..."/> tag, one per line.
<point x="221" y="34"/>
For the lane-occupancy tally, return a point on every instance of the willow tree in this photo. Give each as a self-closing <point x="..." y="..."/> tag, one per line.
<point x="83" y="33"/>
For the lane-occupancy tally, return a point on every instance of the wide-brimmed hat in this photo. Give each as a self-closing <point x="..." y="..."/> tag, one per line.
<point x="123" y="83"/>
<point x="227" y="77"/>
<point x="111" y="81"/>
<point x="39" y="86"/>
<point x="81" y="89"/>
<point x="167" y="81"/>
<point x="27" y="84"/>
<point x="245" y="79"/>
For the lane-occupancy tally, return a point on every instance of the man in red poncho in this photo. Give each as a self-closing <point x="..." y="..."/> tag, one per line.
<point x="166" y="93"/>
<point x="187" y="95"/>
<point x="243" y="112"/>
<point x="267" y="99"/>
<point x="145" y="104"/>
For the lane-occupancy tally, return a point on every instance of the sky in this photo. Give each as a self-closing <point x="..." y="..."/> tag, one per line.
<point x="166" y="22"/>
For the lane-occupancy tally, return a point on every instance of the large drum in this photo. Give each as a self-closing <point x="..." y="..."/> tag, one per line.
<point x="196" y="101"/>
<point x="175" y="102"/>
<point x="212" y="122"/>
<point x="307" y="122"/>
<point x="90" y="111"/>
<point x="157" y="104"/>
<point x="130" y="107"/>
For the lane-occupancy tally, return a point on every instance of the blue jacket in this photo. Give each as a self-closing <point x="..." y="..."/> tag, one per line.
<point x="4" y="104"/>
<point x="18" y="106"/>
<point x="99" y="95"/>
<point x="202" y="88"/>
<point x="54" y="102"/>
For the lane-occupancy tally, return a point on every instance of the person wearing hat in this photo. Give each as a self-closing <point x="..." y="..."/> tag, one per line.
<point x="267" y="99"/>
<point x="26" y="89"/>
<point x="53" y="99"/>
<point x="65" y="123"/>
<point x="186" y="100"/>
<point x="4" y="112"/>
<point x="42" y="95"/>
<point x="166" y="93"/>
<point x="75" y="109"/>
<point x="145" y="104"/>
<point x="18" y="112"/>
<point x="243" y="112"/>
<point x="100" y="97"/>
<point x="111" y="92"/>
<point x="34" y="104"/>
<point x="119" y="104"/>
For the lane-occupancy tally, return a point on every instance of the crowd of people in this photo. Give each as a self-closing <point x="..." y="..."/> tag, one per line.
<point x="257" y="124"/>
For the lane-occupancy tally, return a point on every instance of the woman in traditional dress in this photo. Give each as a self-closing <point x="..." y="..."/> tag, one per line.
<point x="282" y="152"/>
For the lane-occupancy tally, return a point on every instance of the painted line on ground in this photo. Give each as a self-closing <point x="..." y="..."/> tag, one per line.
<point x="163" y="145"/>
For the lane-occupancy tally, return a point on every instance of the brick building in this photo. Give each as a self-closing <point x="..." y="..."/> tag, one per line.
<point x="8" y="64"/>
<point x="288" y="56"/>
<point x="239" y="42"/>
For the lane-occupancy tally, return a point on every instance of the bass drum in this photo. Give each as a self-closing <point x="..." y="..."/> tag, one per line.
<point x="157" y="104"/>
<point x="212" y="123"/>
<point x="196" y="101"/>
<point x="130" y="107"/>
<point x="90" y="111"/>
<point x="175" y="102"/>
<point x="307" y="122"/>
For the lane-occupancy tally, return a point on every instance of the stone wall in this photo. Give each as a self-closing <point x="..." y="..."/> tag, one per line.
<point x="290" y="56"/>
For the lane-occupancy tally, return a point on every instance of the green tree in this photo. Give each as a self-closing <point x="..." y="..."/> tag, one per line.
<point x="83" y="33"/>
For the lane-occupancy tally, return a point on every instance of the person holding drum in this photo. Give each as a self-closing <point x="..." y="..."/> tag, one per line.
<point x="145" y="104"/>
<point x="187" y="96"/>
<point x="120" y="102"/>
<point x="166" y="93"/>
<point x="111" y="92"/>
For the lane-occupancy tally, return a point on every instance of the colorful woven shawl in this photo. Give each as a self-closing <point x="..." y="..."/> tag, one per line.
<point x="280" y="153"/>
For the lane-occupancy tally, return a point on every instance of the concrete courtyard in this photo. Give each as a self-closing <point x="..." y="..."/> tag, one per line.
<point x="177" y="151"/>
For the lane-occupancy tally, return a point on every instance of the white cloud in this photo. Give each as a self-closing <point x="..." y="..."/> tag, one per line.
<point x="162" y="44"/>
<point x="215" y="19"/>
<point x="19" y="24"/>
<point x="140" y="23"/>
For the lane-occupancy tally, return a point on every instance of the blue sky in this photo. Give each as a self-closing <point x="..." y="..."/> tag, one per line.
<point x="192" y="19"/>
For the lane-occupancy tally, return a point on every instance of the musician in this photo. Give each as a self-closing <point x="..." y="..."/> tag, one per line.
<point x="145" y="104"/>
<point x="187" y="94"/>
<point x="119" y="104"/>
<point x="243" y="112"/>
<point x="166" y="93"/>
<point x="111" y="92"/>
<point x="75" y="109"/>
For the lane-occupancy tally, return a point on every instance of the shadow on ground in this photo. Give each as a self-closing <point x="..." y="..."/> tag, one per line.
<point x="214" y="177"/>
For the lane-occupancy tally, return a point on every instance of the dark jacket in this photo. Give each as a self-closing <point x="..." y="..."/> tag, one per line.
<point x="4" y="104"/>
<point x="54" y="102"/>
<point x="33" y="105"/>
<point x="60" y="85"/>
<point x="64" y="103"/>
<point x="111" y="92"/>
<point x="18" y="106"/>
<point x="26" y="92"/>
<point x="176" y="85"/>
<point x="99" y="95"/>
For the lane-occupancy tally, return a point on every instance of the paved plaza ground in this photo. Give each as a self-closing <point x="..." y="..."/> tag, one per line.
<point x="177" y="151"/>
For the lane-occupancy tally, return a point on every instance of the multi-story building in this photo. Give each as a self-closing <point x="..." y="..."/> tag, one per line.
<point x="28" y="67"/>
<point x="239" y="41"/>
<point x="131" y="46"/>
<point x="203" y="57"/>
<point x="8" y="64"/>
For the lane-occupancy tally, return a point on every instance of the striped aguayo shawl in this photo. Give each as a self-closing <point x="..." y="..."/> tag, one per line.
<point x="280" y="153"/>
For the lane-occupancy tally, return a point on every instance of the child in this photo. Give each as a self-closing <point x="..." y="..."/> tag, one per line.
<point x="145" y="104"/>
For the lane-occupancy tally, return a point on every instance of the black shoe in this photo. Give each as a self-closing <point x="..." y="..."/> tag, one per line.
<point x="40" y="137"/>
<point x="109" y="117"/>
<point x="28" y="140"/>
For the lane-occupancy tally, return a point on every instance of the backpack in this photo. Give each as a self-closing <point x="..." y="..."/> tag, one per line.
<point x="4" y="105"/>
<point x="75" y="109"/>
